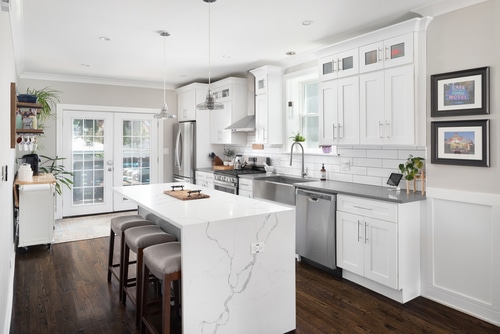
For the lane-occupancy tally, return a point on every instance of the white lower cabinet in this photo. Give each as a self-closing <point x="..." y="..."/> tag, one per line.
<point x="378" y="245"/>
<point x="205" y="179"/>
<point x="245" y="187"/>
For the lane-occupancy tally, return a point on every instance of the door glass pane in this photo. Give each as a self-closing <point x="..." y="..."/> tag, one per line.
<point x="371" y="57"/>
<point x="87" y="157"/>
<point x="327" y="68"/>
<point x="347" y="63"/>
<point x="397" y="50"/>
<point x="136" y="142"/>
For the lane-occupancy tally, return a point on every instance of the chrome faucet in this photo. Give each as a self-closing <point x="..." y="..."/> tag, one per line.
<point x="303" y="174"/>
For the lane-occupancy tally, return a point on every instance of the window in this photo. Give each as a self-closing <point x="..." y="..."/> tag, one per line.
<point x="302" y="112"/>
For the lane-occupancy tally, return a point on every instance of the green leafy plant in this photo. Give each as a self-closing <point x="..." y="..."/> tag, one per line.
<point x="229" y="153"/>
<point x="297" y="137"/>
<point x="53" y="166"/>
<point x="411" y="167"/>
<point x="48" y="98"/>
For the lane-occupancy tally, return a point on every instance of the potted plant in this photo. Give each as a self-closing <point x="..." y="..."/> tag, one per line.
<point x="48" y="98"/>
<point x="52" y="166"/>
<point x="297" y="137"/>
<point x="229" y="154"/>
<point x="412" y="169"/>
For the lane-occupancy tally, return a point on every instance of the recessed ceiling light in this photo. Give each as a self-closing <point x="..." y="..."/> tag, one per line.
<point x="104" y="38"/>
<point x="307" y="22"/>
<point x="84" y="65"/>
<point x="290" y="53"/>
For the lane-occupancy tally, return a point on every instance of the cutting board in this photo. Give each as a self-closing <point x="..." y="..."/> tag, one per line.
<point x="183" y="195"/>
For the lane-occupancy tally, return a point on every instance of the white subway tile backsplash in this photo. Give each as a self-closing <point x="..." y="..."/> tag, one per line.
<point x="366" y="164"/>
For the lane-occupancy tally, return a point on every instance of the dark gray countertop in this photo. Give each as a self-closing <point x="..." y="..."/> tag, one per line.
<point x="363" y="190"/>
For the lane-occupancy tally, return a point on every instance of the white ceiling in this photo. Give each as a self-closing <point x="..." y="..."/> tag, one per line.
<point x="53" y="38"/>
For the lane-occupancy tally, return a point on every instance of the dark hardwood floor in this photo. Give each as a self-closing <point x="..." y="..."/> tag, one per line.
<point x="64" y="290"/>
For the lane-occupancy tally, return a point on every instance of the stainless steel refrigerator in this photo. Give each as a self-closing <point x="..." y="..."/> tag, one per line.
<point x="184" y="151"/>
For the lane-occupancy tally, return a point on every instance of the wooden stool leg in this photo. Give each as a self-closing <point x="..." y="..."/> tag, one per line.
<point x="110" y="253"/>
<point x="138" y="290"/>
<point x="145" y="295"/>
<point x="124" y="273"/>
<point x="166" y="305"/>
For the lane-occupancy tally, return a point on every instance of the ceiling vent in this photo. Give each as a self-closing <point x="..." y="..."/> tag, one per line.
<point x="5" y="5"/>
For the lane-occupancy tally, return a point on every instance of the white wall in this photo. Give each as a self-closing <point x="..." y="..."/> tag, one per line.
<point x="7" y="254"/>
<point x="461" y="237"/>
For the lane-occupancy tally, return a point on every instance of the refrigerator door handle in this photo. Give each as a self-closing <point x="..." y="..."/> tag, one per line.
<point x="178" y="147"/>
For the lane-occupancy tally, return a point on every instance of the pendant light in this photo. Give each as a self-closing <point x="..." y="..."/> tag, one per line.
<point x="210" y="103"/>
<point x="164" y="114"/>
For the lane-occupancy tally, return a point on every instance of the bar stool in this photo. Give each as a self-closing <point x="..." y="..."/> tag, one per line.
<point x="164" y="262"/>
<point x="117" y="226"/>
<point x="136" y="240"/>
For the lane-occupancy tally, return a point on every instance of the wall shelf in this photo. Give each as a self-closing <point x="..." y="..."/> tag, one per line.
<point x="14" y="104"/>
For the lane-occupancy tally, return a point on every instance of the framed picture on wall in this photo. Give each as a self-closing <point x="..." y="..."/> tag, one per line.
<point x="460" y="143"/>
<point x="460" y="93"/>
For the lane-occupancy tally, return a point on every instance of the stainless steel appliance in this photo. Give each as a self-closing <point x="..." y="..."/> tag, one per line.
<point x="315" y="227"/>
<point x="228" y="180"/>
<point x="185" y="151"/>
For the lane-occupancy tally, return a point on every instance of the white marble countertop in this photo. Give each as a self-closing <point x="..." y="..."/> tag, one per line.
<point x="220" y="205"/>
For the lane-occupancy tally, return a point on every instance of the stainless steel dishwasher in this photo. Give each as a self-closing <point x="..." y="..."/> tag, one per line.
<point x="315" y="229"/>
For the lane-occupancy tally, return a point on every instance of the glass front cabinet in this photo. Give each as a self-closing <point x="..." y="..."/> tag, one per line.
<point x="339" y="65"/>
<point x="388" y="53"/>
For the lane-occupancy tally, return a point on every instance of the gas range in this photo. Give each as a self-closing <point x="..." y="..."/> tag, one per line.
<point x="227" y="179"/>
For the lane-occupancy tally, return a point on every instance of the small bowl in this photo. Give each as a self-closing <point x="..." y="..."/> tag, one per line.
<point x="326" y="148"/>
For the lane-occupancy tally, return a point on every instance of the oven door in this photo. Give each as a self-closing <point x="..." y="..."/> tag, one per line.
<point x="225" y="187"/>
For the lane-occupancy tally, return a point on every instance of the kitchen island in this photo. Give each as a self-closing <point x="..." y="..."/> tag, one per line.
<point x="238" y="259"/>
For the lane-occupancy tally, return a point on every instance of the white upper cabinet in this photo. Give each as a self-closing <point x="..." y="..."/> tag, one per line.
<point x="339" y="111"/>
<point x="387" y="107"/>
<point x="232" y="92"/>
<point x="187" y="99"/>
<point x="268" y="105"/>
<point x="387" y="53"/>
<point x="339" y="65"/>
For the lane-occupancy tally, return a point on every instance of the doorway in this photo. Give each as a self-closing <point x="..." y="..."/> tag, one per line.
<point x="104" y="149"/>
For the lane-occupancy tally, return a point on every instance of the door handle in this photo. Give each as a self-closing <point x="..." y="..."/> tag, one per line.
<point x="110" y="169"/>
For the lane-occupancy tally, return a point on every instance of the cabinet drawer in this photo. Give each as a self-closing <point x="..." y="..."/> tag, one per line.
<point x="368" y="208"/>
<point x="245" y="184"/>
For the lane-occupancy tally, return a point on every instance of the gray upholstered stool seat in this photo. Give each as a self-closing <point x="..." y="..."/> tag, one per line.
<point x="164" y="262"/>
<point x="136" y="240"/>
<point x="117" y="226"/>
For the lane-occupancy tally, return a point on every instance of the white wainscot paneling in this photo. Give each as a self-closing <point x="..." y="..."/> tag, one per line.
<point x="462" y="252"/>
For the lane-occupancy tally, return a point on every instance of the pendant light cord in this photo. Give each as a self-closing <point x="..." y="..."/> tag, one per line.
<point x="209" y="41"/>
<point x="164" y="70"/>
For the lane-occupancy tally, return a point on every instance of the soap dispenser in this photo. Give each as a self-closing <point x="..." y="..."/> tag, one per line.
<point x="323" y="173"/>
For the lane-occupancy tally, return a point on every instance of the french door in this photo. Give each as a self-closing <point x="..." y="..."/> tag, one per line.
<point x="105" y="150"/>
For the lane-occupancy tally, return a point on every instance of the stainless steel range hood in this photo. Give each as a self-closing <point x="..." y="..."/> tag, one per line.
<point x="247" y="123"/>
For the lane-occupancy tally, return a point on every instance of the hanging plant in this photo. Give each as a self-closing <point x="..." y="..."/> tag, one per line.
<point x="48" y="98"/>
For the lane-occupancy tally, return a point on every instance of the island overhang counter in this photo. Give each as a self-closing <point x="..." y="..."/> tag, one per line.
<point x="238" y="258"/>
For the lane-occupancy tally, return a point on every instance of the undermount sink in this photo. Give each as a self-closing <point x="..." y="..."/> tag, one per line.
<point x="277" y="188"/>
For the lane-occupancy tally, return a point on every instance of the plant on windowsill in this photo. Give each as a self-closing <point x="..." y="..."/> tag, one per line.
<point x="297" y="137"/>
<point x="412" y="169"/>
<point x="53" y="166"/>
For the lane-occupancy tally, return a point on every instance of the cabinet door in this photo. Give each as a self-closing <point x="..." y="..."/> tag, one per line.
<point x="347" y="63"/>
<point x="398" y="50"/>
<point x="187" y="106"/>
<point x="371" y="57"/>
<point x="399" y="122"/>
<point x="371" y="109"/>
<point x="261" y="118"/>
<point x="261" y="83"/>
<point x="327" y="68"/>
<point x="200" y="178"/>
<point x="348" y="110"/>
<point x="328" y="112"/>
<point x="350" y="242"/>
<point x="381" y="251"/>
